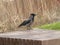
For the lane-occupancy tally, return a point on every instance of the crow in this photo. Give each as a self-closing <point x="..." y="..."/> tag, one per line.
<point x="28" y="22"/>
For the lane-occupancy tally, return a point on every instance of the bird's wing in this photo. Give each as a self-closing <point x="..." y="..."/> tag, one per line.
<point x="24" y="23"/>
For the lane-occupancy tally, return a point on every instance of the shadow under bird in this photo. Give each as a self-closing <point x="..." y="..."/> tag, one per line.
<point x="28" y="22"/>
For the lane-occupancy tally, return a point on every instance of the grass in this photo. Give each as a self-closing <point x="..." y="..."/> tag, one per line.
<point x="53" y="26"/>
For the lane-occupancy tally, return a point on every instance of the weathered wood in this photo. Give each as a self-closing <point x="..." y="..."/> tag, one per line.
<point x="10" y="41"/>
<point x="31" y="37"/>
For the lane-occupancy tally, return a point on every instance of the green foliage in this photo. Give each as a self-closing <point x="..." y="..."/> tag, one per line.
<point x="53" y="26"/>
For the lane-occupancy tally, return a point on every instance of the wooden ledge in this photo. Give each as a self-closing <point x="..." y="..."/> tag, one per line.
<point x="31" y="37"/>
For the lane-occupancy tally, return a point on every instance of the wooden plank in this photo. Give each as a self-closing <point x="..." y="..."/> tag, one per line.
<point x="8" y="41"/>
<point x="31" y="37"/>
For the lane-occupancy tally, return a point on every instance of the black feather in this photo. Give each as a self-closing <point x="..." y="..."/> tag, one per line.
<point x="24" y="23"/>
<point x="29" y="21"/>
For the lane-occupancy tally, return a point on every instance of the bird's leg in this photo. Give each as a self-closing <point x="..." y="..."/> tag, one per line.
<point x="29" y="28"/>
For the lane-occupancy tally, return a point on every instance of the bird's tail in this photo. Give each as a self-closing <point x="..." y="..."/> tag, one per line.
<point x="19" y="26"/>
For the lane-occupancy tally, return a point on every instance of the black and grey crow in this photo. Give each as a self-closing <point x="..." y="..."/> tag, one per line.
<point x="28" y="22"/>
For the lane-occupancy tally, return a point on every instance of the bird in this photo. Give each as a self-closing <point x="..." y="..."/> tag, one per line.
<point x="28" y="22"/>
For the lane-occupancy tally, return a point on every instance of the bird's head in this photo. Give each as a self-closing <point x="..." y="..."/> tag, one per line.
<point x="33" y="14"/>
